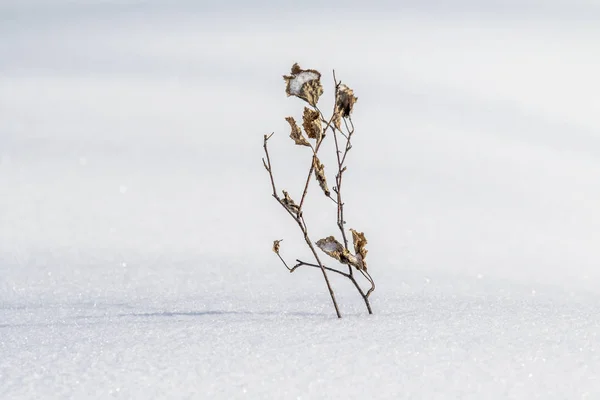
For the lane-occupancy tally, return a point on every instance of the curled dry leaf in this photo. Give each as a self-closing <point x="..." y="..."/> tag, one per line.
<point x="345" y="100"/>
<point x="311" y="122"/>
<point x="344" y="104"/>
<point x="320" y="175"/>
<point x="304" y="84"/>
<point x="296" y="133"/>
<point x="331" y="247"/>
<point x="335" y="249"/>
<point x="360" y="247"/>
<point x="289" y="203"/>
<point x="276" y="246"/>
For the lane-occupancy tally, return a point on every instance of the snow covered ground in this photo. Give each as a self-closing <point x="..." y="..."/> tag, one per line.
<point x="136" y="222"/>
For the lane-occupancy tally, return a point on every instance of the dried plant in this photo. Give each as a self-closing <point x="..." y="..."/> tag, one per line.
<point x="306" y="85"/>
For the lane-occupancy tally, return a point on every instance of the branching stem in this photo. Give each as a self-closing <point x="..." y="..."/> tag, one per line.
<point x="341" y="149"/>
<point x="301" y="223"/>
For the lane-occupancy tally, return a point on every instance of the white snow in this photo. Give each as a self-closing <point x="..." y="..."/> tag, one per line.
<point x="136" y="221"/>
<point x="295" y="85"/>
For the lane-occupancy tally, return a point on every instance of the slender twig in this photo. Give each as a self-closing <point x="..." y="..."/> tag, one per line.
<point x="283" y="261"/>
<point x="365" y="297"/>
<point x="341" y="160"/>
<point x="370" y="279"/>
<point x="338" y="191"/>
<point x="301" y="263"/>
<point x="301" y="223"/>
<point x="315" y="151"/>
<point x="310" y="172"/>
<point x="372" y="283"/>
<point x="268" y="167"/>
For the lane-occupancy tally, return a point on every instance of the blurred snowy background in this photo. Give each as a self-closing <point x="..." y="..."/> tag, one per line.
<point x="136" y="222"/>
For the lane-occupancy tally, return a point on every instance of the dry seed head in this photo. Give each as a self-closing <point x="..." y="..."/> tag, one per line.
<point x="320" y="175"/>
<point x="311" y="122"/>
<point x="276" y="246"/>
<point x="296" y="69"/>
<point x="296" y="132"/>
<point x="304" y="84"/>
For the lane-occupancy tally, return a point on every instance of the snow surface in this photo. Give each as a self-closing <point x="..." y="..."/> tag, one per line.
<point x="136" y="223"/>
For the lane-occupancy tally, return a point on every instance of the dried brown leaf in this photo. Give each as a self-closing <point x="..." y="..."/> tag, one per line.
<point x="289" y="203"/>
<point x="312" y="91"/>
<point x="335" y="249"/>
<point x="304" y="84"/>
<point x="353" y="260"/>
<point x="360" y="247"/>
<point x="345" y="100"/>
<point x="296" y="132"/>
<point x="331" y="247"/>
<point x="320" y="175"/>
<point x="344" y="104"/>
<point x="311" y="122"/>
<point x="276" y="246"/>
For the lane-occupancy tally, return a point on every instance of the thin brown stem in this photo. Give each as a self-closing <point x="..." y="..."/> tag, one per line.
<point x="283" y="261"/>
<point x="301" y="223"/>
<point x="301" y="263"/>
<point x="310" y="172"/>
<point x="338" y="188"/>
<point x="362" y="294"/>
<point x="315" y="151"/>
<point x="268" y="164"/>
<point x="341" y="160"/>
<point x="372" y="289"/>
